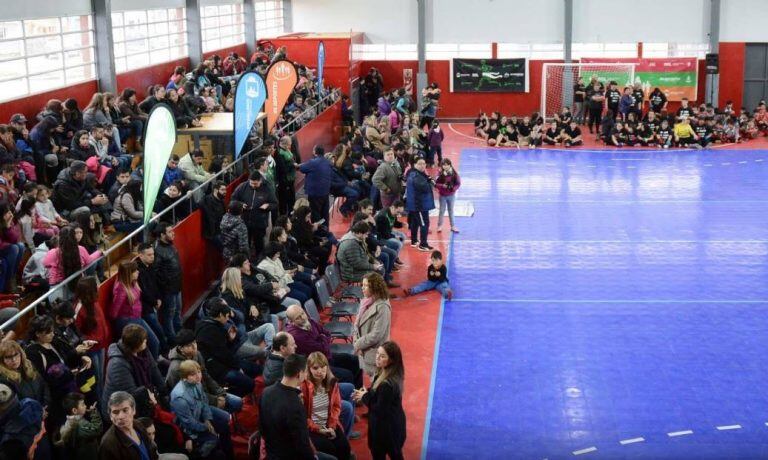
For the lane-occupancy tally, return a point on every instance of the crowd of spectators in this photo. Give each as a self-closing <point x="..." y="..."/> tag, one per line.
<point x="626" y="117"/>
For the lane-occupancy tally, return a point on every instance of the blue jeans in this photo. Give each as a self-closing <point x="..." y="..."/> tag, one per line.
<point x="220" y="422"/>
<point x="97" y="361"/>
<point x="154" y="324"/>
<point x="170" y="316"/>
<point x="153" y="343"/>
<point x="12" y="258"/>
<point x="394" y="244"/>
<point x="239" y="383"/>
<point x="446" y="202"/>
<point x="233" y="403"/>
<point x="442" y="287"/>
<point x="300" y="292"/>
<point x="347" y="416"/>
<point x="250" y="348"/>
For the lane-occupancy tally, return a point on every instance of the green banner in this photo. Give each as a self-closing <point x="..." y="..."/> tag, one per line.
<point x="667" y="78"/>
<point x="158" y="143"/>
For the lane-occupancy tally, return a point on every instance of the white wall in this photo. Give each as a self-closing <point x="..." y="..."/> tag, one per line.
<point x="650" y="21"/>
<point x="128" y="5"/>
<point x="391" y="21"/>
<point x="501" y="21"/>
<point x="744" y="21"/>
<point x="34" y="9"/>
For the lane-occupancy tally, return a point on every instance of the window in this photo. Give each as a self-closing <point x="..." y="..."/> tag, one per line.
<point x="269" y="18"/>
<point x="39" y="55"/>
<point x="663" y="50"/>
<point x="448" y="51"/>
<point x="146" y="37"/>
<point x="604" y="50"/>
<point x="222" y="26"/>
<point x="543" y="51"/>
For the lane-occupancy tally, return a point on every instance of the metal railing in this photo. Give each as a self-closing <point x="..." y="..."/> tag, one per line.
<point x="294" y="125"/>
<point x="230" y="171"/>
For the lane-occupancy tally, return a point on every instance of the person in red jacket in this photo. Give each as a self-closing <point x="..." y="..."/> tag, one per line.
<point x="322" y="402"/>
<point x="11" y="247"/>
<point x="92" y="324"/>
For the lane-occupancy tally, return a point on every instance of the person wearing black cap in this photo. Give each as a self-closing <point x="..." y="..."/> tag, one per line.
<point x="317" y="183"/>
<point x="18" y="123"/>
<point x="260" y="200"/>
<point x="216" y="337"/>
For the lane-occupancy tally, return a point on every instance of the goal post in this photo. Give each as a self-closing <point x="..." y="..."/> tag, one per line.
<point x="558" y="80"/>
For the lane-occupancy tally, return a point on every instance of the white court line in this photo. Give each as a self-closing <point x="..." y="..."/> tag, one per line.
<point x="725" y="164"/>
<point x="729" y="427"/>
<point x="719" y="146"/>
<point x="611" y="301"/>
<point x="742" y="162"/>
<point x="708" y="164"/>
<point x="630" y="159"/>
<point x="758" y="161"/>
<point x="675" y="434"/>
<point x="631" y="441"/>
<point x="444" y="241"/>
<point x="450" y="125"/>
<point x="584" y="451"/>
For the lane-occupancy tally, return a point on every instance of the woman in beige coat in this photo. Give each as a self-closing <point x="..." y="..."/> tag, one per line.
<point x="373" y="322"/>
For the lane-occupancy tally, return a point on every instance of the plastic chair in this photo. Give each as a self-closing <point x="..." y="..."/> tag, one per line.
<point x="334" y="281"/>
<point x="337" y="329"/>
<point x="347" y="348"/>
<point x="338" y="309"/>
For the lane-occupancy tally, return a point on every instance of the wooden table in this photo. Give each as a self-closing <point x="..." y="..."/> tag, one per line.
<point x="214" y="124"/>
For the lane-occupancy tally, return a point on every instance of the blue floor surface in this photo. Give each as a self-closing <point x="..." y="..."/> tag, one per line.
<point x="603" y="297"/>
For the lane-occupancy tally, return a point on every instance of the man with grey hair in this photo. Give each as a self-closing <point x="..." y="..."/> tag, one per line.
<point x="126" y="439"/>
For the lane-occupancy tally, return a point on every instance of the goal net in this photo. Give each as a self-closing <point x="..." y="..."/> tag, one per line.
<point x="558" y="81"/>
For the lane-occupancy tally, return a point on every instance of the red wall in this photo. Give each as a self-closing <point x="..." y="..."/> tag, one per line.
<point x="336" y="71"/>
<point x="731" y="73"/>
<point x="323" y="130"/>
<point x="30" y="106"/>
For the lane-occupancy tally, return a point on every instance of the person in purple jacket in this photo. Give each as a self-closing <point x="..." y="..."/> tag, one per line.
<point x="447" y="183"/>
<point x="436" y="136"/>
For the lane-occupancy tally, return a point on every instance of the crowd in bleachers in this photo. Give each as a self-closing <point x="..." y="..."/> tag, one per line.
<point x="128" y="378"/>
<point x="626" y="118"/>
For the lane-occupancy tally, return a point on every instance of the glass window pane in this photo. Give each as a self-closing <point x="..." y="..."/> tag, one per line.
<point x="13" y="69"/>
<point x="136" y="46"/>
<point x="117" y="19"/>
<point x="158" y="29"/>
<point x="81" y="73"/>
<point x="213" y="33"/>
<point x="209" y="11"/>
<point x="83" y="56"/>
<point x="157" y="15"/>
<point x="12" y="49"/>
<point x="176" y="13"/>
<point x="212" y="45"/>
<point x="13" y="89"/>
<point x="11" y="29"/>
<point x="34" y="27"/>
<point x="120" y="65"/>
<point x="135" y="17"/>
<point x="46" y="81"/>
<point x="75" y="23"/>
<point x="163" y="55"/>
<point x="43" y="45"/>
<point x="119" y="49"/>
<point x="176" y="26"/>
<point x="136" y="61"/>
<point x="177" y="39"/>
<point x="158" y="43"/>
<point x="118" y="34"/>
<point x="77" y="40"/>
<point x="178" y="51"/>
<point x="135" y="32"/>
<point x="209" y="23"/>
<point x="225" y="20"/>
<point x="45" y="62"/>
<point x="225" y="9"/>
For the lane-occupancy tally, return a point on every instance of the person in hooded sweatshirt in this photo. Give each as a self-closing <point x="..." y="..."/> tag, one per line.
<point x="234" y="232"/>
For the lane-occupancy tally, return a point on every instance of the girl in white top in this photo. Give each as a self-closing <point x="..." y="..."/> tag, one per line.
<point x="46" y="212"/>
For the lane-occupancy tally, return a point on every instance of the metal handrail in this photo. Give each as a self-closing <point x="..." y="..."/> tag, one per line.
<point x="129" y="238"/>
<point x="333" y="93"/>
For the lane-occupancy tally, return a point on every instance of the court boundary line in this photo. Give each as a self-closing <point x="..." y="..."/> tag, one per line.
<point x="616" y="301"/>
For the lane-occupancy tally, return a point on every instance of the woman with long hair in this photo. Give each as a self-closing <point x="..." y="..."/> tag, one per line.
<point x="67" y="259"/>
<point x="88" y="234"/>
<point x="322" y="402"/>
<point x="386" y="418"/>
<point x="126" y="304"/>
<point x="373" y="321"/>
<point x="128" y="210"/>
<point x="250" y="312"/>
<point x="447" y="183"/>
<point x="11" y="247"/>
<point x="272" y="265"/>
<point x="92" y="324"/>
<point x="19" y="373"/>
<point x="129" y="108"/>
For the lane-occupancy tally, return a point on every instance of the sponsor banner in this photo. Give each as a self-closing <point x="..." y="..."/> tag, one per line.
<point x="320" y="66"/>
<point x="249" y="98"/>
<point x="281" y="79"/>
<point x="159" y="138"/>
<point x="489" y="75"/>
<point x="676" y="77"/>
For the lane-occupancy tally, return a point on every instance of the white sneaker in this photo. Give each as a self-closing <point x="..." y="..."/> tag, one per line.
<point x="439" y="229"/>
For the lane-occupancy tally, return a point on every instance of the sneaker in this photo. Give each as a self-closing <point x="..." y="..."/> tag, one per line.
<point x="407" y="292"/>
<point x="439" y="229"/>
<point x="399" y="262"/>
<point x="354" y="435"/>
<point x="392" y="284"/>
<point x="449" y="294"/>
<point x="425" y="248"/>
<point x="454" y="230"/>
<point x="414" y="245"/>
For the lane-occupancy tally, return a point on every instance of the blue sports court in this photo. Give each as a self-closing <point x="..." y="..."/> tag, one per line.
<point x="608" y="304"/>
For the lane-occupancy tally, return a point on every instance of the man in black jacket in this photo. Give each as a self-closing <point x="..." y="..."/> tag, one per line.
<point x="71" y="193"/>
<point x="215" y="338"/>
<point x="213" y="210"/>
<point x="260" y="200"/>
<point x="151" y="299"/>
<point x="169" y="276"/>
<point x="282" y="418"/>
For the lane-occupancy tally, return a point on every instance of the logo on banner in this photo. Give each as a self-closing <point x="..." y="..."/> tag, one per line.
<point x="281" y="79"/>
<point x="250" y="95"/>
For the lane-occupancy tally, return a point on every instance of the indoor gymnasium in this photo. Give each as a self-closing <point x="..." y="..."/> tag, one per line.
<point x="415" y="229"/>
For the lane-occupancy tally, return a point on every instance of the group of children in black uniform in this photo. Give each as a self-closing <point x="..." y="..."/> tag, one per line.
<point x="619" y="120"/>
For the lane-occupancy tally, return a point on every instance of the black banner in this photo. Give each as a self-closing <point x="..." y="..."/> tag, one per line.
<point x="489" y="75"/>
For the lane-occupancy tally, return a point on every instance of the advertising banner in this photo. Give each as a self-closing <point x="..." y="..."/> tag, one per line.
<point x="281" y="79"/>
<point x="320" y="65"/>
<point x="676" y="77"/>
<point x="489" y="75"/>
<point x="249" y="98"/>
<point x="159" y="138"/>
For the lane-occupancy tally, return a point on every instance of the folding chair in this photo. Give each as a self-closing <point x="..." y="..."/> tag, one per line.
<point x="337" y="329"/>
<point x="334" y="281"/>
<point x="338" y="309"/>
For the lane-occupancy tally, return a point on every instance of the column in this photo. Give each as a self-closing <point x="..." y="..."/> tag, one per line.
<point x="105" y="51"/>
<point x="194" y="32"/>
